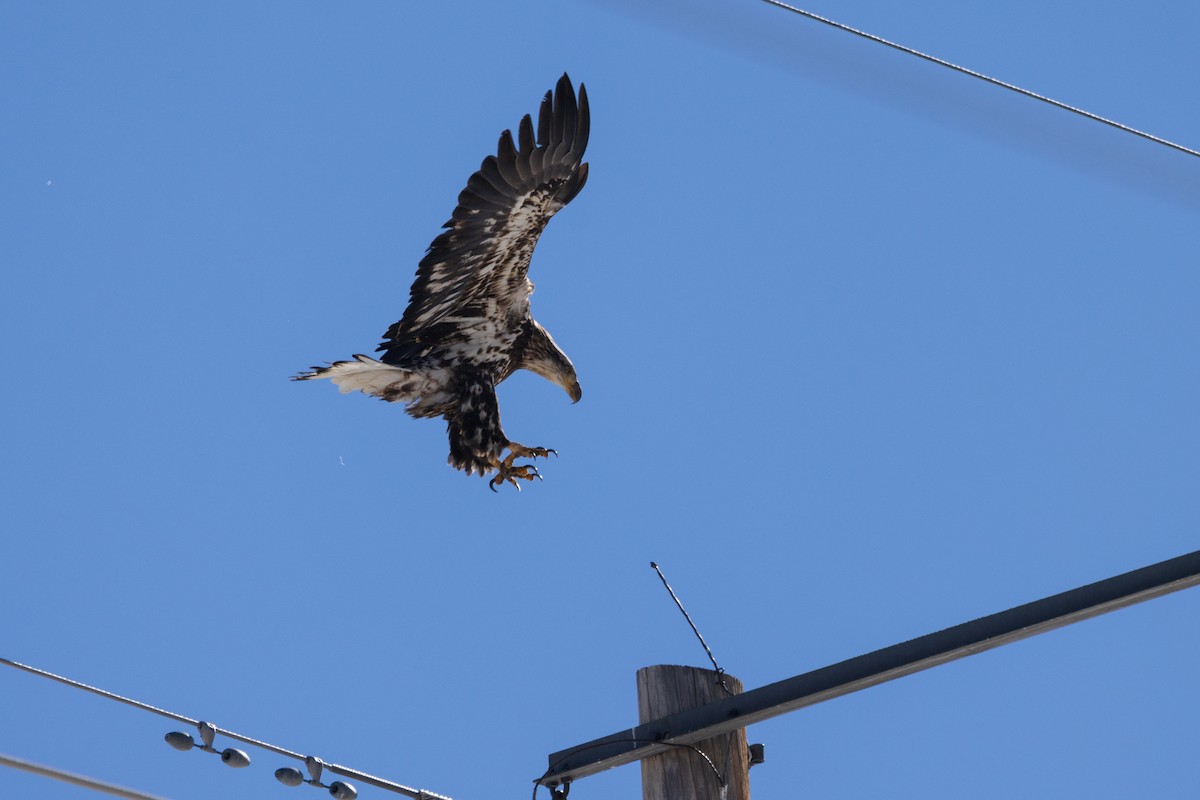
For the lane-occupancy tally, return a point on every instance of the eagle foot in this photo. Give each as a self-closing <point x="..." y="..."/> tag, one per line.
<point x="507" y="472"/>
<point x="525" y="472"/>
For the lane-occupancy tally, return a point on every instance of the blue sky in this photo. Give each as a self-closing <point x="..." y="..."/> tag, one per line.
<point x="868" y="349"/>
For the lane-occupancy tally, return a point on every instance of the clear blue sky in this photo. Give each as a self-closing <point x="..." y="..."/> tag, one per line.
<point x="868" y="349"/>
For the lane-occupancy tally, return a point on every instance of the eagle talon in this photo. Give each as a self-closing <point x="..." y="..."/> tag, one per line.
<point x="502" y="479"/>
<point x="508" y="473"/>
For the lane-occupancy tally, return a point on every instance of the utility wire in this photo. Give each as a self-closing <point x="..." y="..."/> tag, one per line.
<point x="994" y="81"/>
<point x="101" y="692"/>
<point x="147" y="707"/>
<point x="345" y="772"/>
<point x="78" y="780"/>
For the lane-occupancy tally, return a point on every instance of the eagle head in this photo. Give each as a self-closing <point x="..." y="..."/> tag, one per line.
<point x="573" y="388"/>
<point x="562" y="372"/>
<point x="543" y="357"/>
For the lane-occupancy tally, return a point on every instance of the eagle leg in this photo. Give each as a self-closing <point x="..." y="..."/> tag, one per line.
<point x="507" y="472"/>
<point x="521" y="451"/>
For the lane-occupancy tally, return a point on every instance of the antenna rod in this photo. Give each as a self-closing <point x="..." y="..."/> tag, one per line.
<point x="695" y="630"/>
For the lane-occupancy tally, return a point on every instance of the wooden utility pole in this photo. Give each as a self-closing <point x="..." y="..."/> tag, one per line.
<point x="681" y="773"/>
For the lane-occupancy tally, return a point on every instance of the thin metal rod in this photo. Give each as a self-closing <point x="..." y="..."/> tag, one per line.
<point x="987" y="78"/>
<point x="695" y="630"/>
<point x="78" y="780"/>
<point x="345" y="772"/>
<point x="871" y="669"/>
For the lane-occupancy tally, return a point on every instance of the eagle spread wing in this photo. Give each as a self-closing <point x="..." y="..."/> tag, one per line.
<point x="468" y="325"/>
<point x="483" y="254"/>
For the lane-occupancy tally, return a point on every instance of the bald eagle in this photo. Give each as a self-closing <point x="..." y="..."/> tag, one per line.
<point x="468" y="325"/>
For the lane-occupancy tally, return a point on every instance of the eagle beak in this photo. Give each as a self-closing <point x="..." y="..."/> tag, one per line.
<point x="575" y="391"/>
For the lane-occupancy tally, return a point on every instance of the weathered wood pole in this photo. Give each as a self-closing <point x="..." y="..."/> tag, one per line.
<point x="680" y="773"/>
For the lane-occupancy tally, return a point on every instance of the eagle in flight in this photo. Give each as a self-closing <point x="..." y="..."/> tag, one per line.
<point x="468" y="325"/>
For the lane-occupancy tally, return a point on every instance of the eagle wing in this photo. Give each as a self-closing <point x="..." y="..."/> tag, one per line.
<point x="483" y="254"/>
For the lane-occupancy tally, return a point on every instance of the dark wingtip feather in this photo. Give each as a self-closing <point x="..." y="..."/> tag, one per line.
<point x="544" y="119"/>
<point x="566" y="97"/>
<point x="505" y="151"/>
<point x="559" y="125"/>
<point x="584" y="126"/>
<point x="525" y="135"/>
<point x="526" y="149"/>
<point x="506" y="160"/>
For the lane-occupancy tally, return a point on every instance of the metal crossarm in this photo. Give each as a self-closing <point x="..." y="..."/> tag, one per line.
<point x="873" y="668"/>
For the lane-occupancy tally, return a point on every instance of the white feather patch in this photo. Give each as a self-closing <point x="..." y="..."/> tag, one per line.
<point x="369" y="376"/>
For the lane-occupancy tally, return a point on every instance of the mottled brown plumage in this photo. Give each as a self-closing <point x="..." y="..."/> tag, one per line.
<point x="468" y="324"/>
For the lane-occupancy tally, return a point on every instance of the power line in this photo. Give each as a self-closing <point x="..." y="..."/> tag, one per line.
<point x="987" y="78"/>
<point x="147" y="707"/>
<point x="78" y="780"/>
<point x="135" y="703"/>
<point x="346" y="772"/>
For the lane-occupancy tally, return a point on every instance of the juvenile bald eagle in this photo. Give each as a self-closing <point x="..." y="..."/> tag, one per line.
<point x="468" y="326"/>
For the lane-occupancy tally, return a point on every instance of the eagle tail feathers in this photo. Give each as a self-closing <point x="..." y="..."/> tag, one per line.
<point x="365" y="374"/>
